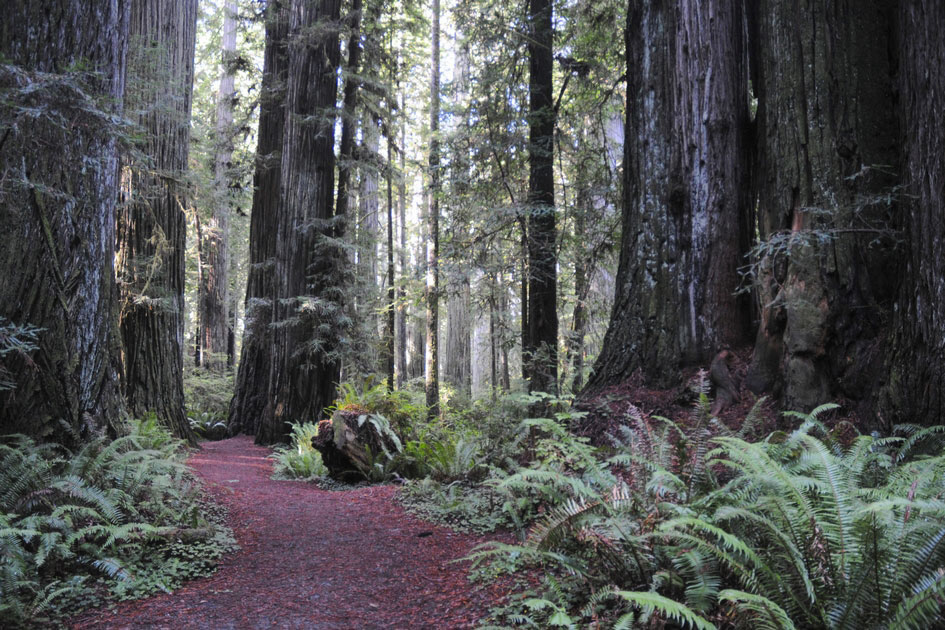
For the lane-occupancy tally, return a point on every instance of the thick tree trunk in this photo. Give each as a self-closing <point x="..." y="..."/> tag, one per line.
<point x="304" y="364"/>
<point x="917" y="368"/>
<point x="152" y="224"/>
<point x="432" y="363"/>
<point x="215" y="329"/>
<point x="685" y="188"/>
<point x="57" y="212"/>
<point x="826" y="139"/>
<point x="541" y="352"/>
<point x="402" y="310"/>
<point x="252" y="381"/>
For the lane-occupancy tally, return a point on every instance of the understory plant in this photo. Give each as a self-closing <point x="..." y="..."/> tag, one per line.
<point x="299" y="460"/>
<point x="119" y="518"/>
<point x="702" y="528"/>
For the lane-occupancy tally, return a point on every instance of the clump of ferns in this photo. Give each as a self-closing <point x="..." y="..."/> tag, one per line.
<point x="68" y="516"/>
<point x="796" y="531"/>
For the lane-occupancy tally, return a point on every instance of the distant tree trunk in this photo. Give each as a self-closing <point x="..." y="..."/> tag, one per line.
<point x="575" y="356"/>
<point x="252" y="381"/>
<point x="541" y="354"/>
<point x="917" y="368"/>
<point x="214" y="301"/>
<point x="685" y="189"/>
<point x="825" y="119"/>
<point x="432" y="364"/>
<point x="368" y="208"/>
<point x="305" y="367"/>
<point x="402" y="311"/>
<point x="152" y="224"/>
<point x="390" y="319"/>
<point x="57" y="213"/>
<point x="458" y="368"/>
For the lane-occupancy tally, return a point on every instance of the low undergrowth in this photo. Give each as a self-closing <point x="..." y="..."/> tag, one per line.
<point x="114" y="520"/>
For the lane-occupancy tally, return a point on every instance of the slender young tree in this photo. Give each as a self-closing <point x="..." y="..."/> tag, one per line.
<point x="215" y="336"/>
<point x="152" y="224"/>
<point x="432" y="364"/>
<point x="685" y="189"/>
<point x="542" y="300"/>
<point x="304" y="365"/>
<point x="65" y="61"/>
<point x="252" y="382"/>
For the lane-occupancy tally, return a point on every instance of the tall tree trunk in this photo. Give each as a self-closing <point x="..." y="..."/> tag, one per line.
<point x="152" y="223"/>
<point x="57" y="212"/>
<point x="685" y="189"/>
<point x="304" y="364"/>
<point x="390" y="319"/>
<point x="917" y="367"/>
<point x="402" y="310"/>
<point x="214" y="302"/>
<point x="825" y="119"/>
<point x="541" y="353"/>
<point x="252" y="381"/>
<point x="432" y="363"/>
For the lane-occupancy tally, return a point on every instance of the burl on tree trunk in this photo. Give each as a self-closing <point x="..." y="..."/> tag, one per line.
<point x="350" y="443"/>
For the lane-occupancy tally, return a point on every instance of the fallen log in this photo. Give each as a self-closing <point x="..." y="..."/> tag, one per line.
<point x="352" y="443"/>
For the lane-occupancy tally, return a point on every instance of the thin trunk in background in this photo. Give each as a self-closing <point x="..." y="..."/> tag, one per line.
<point x="214" y="329"/>
<point x="432" y="363"/>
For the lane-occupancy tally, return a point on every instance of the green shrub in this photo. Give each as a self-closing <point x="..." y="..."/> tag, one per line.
<point x="299" y="460"/>
<point x="101" y="522"/>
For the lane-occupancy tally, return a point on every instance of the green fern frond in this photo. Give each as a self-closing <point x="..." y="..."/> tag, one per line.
<point x="765" y="614"/>
<point x="665" y="607"/>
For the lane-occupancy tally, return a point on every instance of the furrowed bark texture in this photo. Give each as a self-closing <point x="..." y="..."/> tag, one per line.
<point x="685" y="189"/>
<point x="304" y="368"/>
<point x="252" y="381"/>
<point x="151" y="222"/>
<point x="59" y="174"/>
<point x="458" y="365"/>
<point x="917" y="374"/>
<point x="542" y="319"/>
<point x="825" y="118"/>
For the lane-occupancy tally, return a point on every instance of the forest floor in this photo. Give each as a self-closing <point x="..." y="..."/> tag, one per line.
<point x="314" y="559"/>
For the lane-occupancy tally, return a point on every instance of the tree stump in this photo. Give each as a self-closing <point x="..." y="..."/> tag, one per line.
<point x="351" y="442"/>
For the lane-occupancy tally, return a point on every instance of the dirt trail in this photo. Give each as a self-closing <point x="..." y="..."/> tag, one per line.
<point x="313" y="559"/>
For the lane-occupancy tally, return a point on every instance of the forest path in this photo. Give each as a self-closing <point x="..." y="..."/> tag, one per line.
<point x="313" y="559"/>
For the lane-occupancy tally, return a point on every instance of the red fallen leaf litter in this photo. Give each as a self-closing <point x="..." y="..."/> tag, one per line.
<point x="314" y="559"/>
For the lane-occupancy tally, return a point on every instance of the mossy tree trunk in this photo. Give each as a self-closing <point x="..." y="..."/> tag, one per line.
<point x="826" y="143"/>
<point x="685" y="191"/>
<point x="66" y="62"/>
<point x="917" y="369"/>
<point x="151" y="221"/>
<point x="252" y="381"/>
<point x="304" y="365"/>
<point x="432" y="289"/>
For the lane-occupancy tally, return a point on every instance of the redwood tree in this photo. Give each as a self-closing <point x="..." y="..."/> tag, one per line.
<point x="252" y="381"/>
<point x="309" y="292"/>
<point x="826" y="150"/>
<point x="685" y="191"/>
<point x="63" y="78"/>
<point x="917" y="368"/>
<point x="152" y="225"/>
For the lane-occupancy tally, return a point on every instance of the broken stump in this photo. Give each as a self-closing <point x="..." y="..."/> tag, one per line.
<point x="350" y="442"/>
